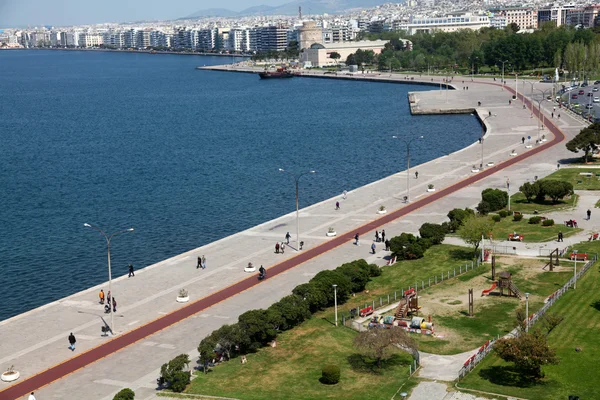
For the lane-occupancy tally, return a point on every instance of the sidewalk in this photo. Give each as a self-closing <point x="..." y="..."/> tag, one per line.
<point x="36" y="340"/>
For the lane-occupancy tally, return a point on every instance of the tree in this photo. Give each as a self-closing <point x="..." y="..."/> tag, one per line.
<point x="513" y="27"/>
<point x="587" y="140"/>
<point x="206" y="351"/>
<point x="497" y="199"/>
<point x="294" y="310"/>
<point x="435" y="232"/>
<point x="379" y="344"/>
<point x="556" y="189"/>
<point x="125" y="394"/>
<point x="230" y="337"/>
<point x="529" y="352"/>
<point x="260" y="326"/>
<point x="314" y="297"/>
<point x="351" y="60"/>
<point x="408" y="247"/>
<point x="530" y="190"/>
<point x="334" y="55"/>
<point x="168" y="370"/>
<point x="458" y="216"/>
<point x="474" y="228"/>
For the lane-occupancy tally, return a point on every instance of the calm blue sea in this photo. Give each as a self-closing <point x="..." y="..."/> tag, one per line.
<point x="146" y="141"/>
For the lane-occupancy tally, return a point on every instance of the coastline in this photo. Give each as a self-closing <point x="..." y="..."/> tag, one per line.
<point x="153" y="52"/>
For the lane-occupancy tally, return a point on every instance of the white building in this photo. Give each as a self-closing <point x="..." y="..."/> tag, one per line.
<point x="88" y="40"/>
<point x="73" y="39"/>
<point x="239" y="39"/>
<point x="450" y="23"/>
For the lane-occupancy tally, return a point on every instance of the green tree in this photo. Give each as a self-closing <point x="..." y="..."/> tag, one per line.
<point x="206" y="351"/>
<point x="334" y="55"/>
<point x="435" y="232"/>
<point x="457" y="216"/>
<point x="168" y="370"/>
<point x="556" y="189"/>
<point x="497" y="199"/>
<point x="358" y="272"/>
<point x="230" y="337"/>
<point x="260" y="326"/>
<point x="314" y="297"/>
<point x="529" y="190"/>
<point x="474" y="228"/>
<point x="587" y="140"/>
<point x="351" y="60"/>
<point x="380" y="344"/>
<point x="529" y="352"/>
<point x="125" y="394"/>
<point x="294" y="310"/>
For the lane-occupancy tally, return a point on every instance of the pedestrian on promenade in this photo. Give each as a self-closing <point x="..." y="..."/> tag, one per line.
<point x="130" y="266"/>
<point x="356" y="242"/>
<point x="337" y="205"/>
<point x="114" y="305"/>
<point x="416" y="174"/>
<point x="558" y="115"/>
<point x="199" y="265"/>
<point x="376" y="236"/>
<point x="560" y="237"/>
<point x="589" y="214"/>
<point x="467" y="88"/>
<point x="108" y="298"/>
<point x="509" y="102"/>
<point x="282" y="247"/>
<point x="345" y="194"/>
<point x="203" y="262"/>
<point x="558" y="166"/>
<point x="101" y="295"/>
<point x="383" y="235"/>
<point x="523" y="140"/>
<point x="373" y="247"/>
<point x="31" y="397"/>
<point x="552" y="114"/>
<point x="277" y="248"/>
<point x="387" y="245"/>
<point x="287" y="237"/>
<point x="301" y="244"/>
<point x="72" y="341"/>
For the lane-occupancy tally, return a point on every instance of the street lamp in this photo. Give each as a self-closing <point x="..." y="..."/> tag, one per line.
<point x="481" y="139"/>
<point x="541" y="117"/>
<point x="108" y="239"/>
<point x="408" y="164"/>
<point x="335" y="302"/>
<point x="526" y="312"/>
<point x="503" y="72"/>
<point x="296" y="179"/>
<point x="508" y="189"/>
<point x="531" y="95"/>
<point x="575" y="270"/>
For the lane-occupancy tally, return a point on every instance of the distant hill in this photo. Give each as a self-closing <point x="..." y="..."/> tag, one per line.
<point x="291" y="8"/>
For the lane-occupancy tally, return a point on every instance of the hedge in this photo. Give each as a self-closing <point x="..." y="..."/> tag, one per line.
<point x="548" y="222"/>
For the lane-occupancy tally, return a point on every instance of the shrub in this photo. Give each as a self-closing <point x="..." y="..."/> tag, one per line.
<point x="548" y="222"/>
<point x="330" y="375"/>
<point x="535" y="220"/>
<point x="125" y="394"/>
<point x="496" y="218"/>
<point x="497" y="199"/>
<point x="168" y="370"/>
<point x="483" y="208"/>
<point x="408" y="247"/>
<point x="503" y="213"/>
<point x="293" y="309"/>
<point x="358" y="273"/>
<point x="457" y="217"/>
<point x="374" y="270"/>
<point x="435" y="232"/>
<point x="517" y="217"/>
<point x="180" y="380"/>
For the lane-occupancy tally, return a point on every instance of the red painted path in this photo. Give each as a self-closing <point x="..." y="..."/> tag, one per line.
<point x="71" y="365"/>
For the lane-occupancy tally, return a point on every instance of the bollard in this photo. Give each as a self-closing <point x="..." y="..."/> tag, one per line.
<point x="409" y="370"/>
<point x="394" y="296"/>
<point x="373" y="304"/>
<point x="442" y="277"/>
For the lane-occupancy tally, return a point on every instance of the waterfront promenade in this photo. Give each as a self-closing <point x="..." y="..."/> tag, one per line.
<point x="37" y="341"/>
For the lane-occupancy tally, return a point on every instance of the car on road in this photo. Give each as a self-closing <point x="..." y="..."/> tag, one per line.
<point x="582" y="92"/>
<point x="595" y="89"/>
<point x="597" y="83"/>
<point x="589" y="106"/>
<point x="574" y="96"/>
<point x="596" y="99"/>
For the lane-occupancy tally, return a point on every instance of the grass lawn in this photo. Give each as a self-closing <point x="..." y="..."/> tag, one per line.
<point x="518" y="202"/>
<point x="293" y="368"/>
<point x="580" y="182"/>
<point x="577" y="372"/>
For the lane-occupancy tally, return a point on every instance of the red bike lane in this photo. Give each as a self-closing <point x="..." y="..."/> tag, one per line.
<point x="118" y="343"/>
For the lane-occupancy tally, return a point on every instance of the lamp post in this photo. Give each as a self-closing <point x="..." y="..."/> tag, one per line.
<point x="473" y="67"/>
<point x="108" y="239"/>
<point x="531" y="95"/>
<point x="508" y="190"/>
<point x="335" y="302"/>
<point x="297" y="179"/>
<point x="408" y="164"/>
<point x="503" y="72"/>
<point x="541" y="117"/>
<point x="575" y="271"/>
<point x="481" y="139"/>
<point x="526" y="312"/>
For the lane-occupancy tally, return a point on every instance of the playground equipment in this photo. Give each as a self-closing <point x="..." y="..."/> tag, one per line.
<point x="553" y="260"/>
<point x="504" y="282"/>
<point x="408" y="305"/>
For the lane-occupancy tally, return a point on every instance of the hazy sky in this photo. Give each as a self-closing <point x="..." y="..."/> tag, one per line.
<point x="19" y="13"/>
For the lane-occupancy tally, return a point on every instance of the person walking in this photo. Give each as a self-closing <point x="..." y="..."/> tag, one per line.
<point x="344" y="195"/>
<point x="282" y="247"/>
<point x="114" y="304"/>
<point x="31" y="397"/>
<point x="337" y="205"/>
<point x="101" y="296"/>
<point x="553" y="115"/>
<point x="356" y="237"/>
<point x="387" y="245"/>
<point x="72" y="341"/>
<point x="203" y="262"/>
<point x="108" y="298"/>
<point x="373" y="246"/>
<point x="560" y="237"/>
<point x="376" y="236"/>
<point x="383" y="235"/>
<point x="287" y="238"/>
<point x="277" y="248"/>
<point x="130" y="266"/>
<point x="589" y="214"/>
<point x="416" y="174"/>
<point x="199" y="265"/>
<point x="523" y="140"/>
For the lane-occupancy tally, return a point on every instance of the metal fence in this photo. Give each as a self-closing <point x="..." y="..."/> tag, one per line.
<point x="484" y="350"/>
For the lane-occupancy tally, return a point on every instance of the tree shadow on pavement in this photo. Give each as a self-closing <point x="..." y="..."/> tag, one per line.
<point x="508" y="376"/>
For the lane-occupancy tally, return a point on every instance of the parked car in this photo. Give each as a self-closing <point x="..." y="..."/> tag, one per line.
<point x="597" y="83"/>
<point x="589" y="106"/>
<point x="596" y="99"/>
<point x="582" y="92"/>
<point x="574" y="96"/>
<point x="595" y="89"/>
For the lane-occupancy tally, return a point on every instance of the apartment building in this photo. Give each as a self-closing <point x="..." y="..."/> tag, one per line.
<point x="90" y="40"/>
<point x="524" y="17"/>
<point x="554" y="13"/>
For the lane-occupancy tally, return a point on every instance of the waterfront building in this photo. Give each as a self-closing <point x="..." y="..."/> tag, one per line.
<point x="206" y="39"/>
<point x="143" y="39"/>
<point x="319" y="55"/>
<point x="273" y="38"/>
<point x="87" y="40"/>
<point x="309" y="34"/>
<point x="73" y="39"/>
<point x="554" y="13"/>
<point x="450" y="23"/>
<point x="584" y="17"/>
<point x="130" y="39"/>
<point x="239" y="39"/>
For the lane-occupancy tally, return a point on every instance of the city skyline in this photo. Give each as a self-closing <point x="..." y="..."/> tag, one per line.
<point x="72" y="12"/>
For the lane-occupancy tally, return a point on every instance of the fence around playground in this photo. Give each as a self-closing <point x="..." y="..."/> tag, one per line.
<point x="484" y="350"/>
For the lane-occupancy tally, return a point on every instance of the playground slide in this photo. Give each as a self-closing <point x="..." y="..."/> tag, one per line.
<point x="487" y="291"/>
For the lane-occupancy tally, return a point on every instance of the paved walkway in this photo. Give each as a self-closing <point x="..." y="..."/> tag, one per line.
<point x="223" y="291"/>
